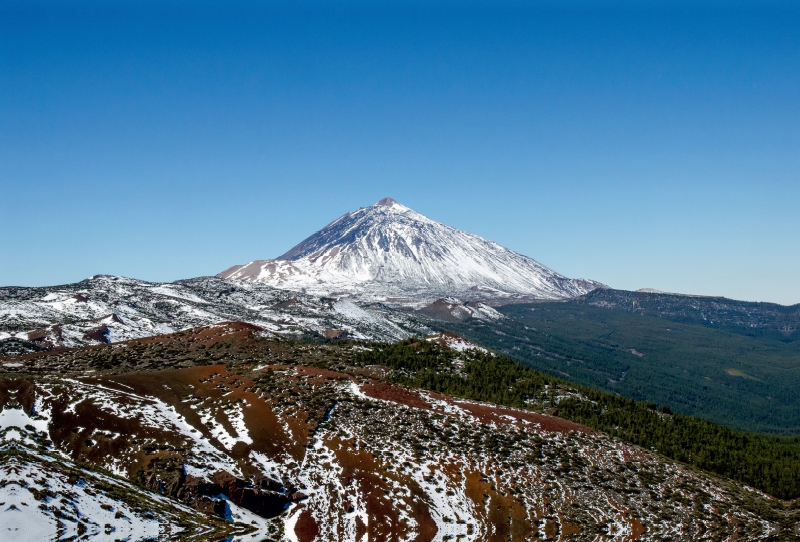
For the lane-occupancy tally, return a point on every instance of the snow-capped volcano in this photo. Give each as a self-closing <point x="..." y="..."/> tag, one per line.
<point x="390" y="253"/>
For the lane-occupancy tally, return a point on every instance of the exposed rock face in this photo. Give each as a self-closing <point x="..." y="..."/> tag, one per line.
<point x="164" y="473"/>
<point x="387" y="252"/>
<point x="263" y="496"/>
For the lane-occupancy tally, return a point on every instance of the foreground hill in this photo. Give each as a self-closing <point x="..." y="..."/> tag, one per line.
<point x="304" y="442"/>
<point x="389" y="253"/>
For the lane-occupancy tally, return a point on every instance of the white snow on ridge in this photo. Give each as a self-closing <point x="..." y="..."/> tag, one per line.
<point x="172" y="291"/>
<point x="389" y="253"/>
<point x="113" y="309"/>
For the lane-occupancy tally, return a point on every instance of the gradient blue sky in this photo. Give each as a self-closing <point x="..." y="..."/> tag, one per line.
<point x="638" y="145"/>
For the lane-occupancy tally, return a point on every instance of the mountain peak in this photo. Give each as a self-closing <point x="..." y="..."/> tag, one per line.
<point x="386" y="252"/>
<point x="387" y="202"/>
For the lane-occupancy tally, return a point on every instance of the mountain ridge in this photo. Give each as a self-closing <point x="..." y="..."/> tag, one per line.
<point x="106" y="309"/>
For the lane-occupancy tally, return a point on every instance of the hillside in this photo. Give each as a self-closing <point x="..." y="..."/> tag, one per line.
<point x="303" y="441"/>
<point x="731" y="362"/>
<point x="767" y="320"/>
<point x="108" y="309"/>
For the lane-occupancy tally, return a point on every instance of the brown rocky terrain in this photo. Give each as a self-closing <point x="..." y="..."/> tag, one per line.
<point x="301" y="441"/>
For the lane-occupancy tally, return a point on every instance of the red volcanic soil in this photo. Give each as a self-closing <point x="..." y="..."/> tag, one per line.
<point x="324" y="373"/>
<point x="207" y="335"/>
<point x="485" y="413"/>
<point x="374" y="481"/>
<point x="637" y="529"/>
<point x="504" y="416"/>
<point x="508" y="516"/>
<point x="302" y="370"/>
<point x="213" y="383"/>
<point x="306" y="528"/>
<point x="445" y="340"/>
<point x="629" y="453"/>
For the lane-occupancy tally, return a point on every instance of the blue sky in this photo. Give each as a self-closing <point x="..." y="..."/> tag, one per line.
<point x="638" y="145"/>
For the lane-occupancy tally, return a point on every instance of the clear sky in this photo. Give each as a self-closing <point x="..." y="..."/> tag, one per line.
<point x="637" y="145"/>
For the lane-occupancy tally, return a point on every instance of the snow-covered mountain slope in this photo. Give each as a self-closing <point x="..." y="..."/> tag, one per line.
<point x="104" y="309"/>
<point x="390" y="253"/>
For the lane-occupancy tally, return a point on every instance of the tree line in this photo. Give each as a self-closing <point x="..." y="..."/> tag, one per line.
<point x="766" y="462"/>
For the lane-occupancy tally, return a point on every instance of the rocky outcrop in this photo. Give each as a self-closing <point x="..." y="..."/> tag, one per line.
<point x="164" y="472"/>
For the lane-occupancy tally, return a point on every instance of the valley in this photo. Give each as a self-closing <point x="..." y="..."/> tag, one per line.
<point x="734" y="363"/>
